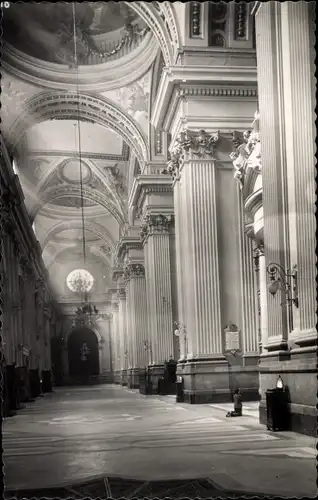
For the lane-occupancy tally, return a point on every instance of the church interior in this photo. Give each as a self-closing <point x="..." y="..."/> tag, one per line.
<point x="158" y="249"/>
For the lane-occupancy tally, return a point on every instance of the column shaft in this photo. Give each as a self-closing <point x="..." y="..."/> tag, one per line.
<point x="269" y="87"/>
<point x="263" y="298"/>
<point x="299" y="117"/>
<point x="158" y="283"/>
<point x="248" y="289"/>
<point x="203" y="293"/>
<point x="179" y="261"/>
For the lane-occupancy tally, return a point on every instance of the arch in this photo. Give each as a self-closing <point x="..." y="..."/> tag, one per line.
<point x="83" y="106"/>
<point x="93" y="227"/>
<point x="89" y="194"/>
<point x="83" y="354"/>
<point x="161" y="19"/>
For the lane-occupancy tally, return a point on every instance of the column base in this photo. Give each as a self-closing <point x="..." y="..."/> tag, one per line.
<point x="117" y="376"/>
<point x="133" y="378"/>
<point x="299" y="374"/>
<point x="213" y="381"/>
<point x="124" y="377"/>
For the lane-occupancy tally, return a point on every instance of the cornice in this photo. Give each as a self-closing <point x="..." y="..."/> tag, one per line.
<point x="216" y="78"/>
<point x="147" y="184"/>
<point x="98" y="78"/>
<point x="127" y="243"/>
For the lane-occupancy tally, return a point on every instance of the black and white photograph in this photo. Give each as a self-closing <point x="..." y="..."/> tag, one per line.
<point x="158" y="250"/>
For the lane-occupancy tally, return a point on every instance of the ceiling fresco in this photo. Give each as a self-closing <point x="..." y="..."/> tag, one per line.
<point x="47" y="152"/>
<point x="45" y="32"/>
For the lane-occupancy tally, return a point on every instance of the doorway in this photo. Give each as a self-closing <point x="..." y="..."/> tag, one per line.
<point x="83" y="355"/>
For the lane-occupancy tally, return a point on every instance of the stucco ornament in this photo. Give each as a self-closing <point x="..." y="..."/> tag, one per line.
<point x="247" y="151"/>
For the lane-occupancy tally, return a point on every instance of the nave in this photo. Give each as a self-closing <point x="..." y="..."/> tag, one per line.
<point x="78" y="434"/>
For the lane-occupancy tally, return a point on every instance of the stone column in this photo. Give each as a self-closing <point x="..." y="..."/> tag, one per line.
<point x="158" y="283"/>
<point x="134" y="275"/>
<point x="180" y="252"/>
<point x="297" y="20"/>
<point x="193" y="167"/>
<point x="115" y="339"/>
<point x="273" y="164"/>
<point x="121" y="295"/>
<point x="249" y="295"/>
<point x="8" y="332"/>
<point x="201" y="271"/>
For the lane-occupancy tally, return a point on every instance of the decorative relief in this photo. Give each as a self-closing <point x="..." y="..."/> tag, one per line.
<point x="195" y="19"/>
<point x="106" y="249"/>
<point x="247" y="151"/>
<point x="117" y="179"/>
<point x="217" y="24"/>
<point x="155" y="224"/>
<point x="158" y="142"/>
<point x="241" y="18"/>
<point x="191" y="145"/>
<point x="133" y="271"/>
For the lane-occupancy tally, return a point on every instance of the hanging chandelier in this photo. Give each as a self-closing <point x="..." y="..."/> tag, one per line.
<point x="87" y="314"/>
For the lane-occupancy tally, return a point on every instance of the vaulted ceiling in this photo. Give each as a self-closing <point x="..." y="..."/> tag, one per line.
<point x="57" y="115"/>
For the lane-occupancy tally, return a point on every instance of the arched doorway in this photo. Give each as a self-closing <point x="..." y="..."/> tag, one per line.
<point x="83" y="354"/>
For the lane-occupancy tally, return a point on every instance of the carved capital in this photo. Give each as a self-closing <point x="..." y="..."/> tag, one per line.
<point x="134" y="271"/>
<point x="155" y="224"/>
<point x="191" y="145"/>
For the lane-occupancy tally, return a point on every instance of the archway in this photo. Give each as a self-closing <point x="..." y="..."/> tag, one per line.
<point x="83" y="354"/>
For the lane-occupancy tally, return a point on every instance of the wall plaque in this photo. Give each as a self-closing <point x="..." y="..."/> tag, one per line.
<point x="232" y="338"/>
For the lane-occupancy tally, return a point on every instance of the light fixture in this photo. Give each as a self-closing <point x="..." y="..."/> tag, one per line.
<point x="283" y="280"/>
<point x="87" y="314"/>
<point x="279" y="383"/>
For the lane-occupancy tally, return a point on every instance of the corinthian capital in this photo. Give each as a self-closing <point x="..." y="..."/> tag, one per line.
<point x="191" y="145"/>
<point x="134" y="271"/>
<point x="155" y="224"/>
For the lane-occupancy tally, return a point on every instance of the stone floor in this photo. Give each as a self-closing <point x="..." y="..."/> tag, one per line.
<point x="81" y="433"/>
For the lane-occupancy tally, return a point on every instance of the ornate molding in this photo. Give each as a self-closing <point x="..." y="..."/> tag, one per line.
<point x="217" y="92"/>
<point x="241" y="20"/>
<point x="195" y="19"/>
<point x="132" y="271"/>
<point x="155" y="224"/>
<point x="191" y="145"/>
<point x="65" y="105"/>
<point x="247" y="152"/>
<point x="89" y="193"/>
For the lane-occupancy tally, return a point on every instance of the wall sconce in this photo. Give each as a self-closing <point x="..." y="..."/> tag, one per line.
<point x="283" y="280"/>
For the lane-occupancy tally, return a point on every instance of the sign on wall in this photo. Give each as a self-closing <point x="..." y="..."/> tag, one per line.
<point x="232" y="338"/>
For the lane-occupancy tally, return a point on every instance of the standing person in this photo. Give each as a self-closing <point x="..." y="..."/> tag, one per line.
<point x="237" y="405"/>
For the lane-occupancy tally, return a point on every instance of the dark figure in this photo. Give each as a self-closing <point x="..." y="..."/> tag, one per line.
<point x="237" y="405"/>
